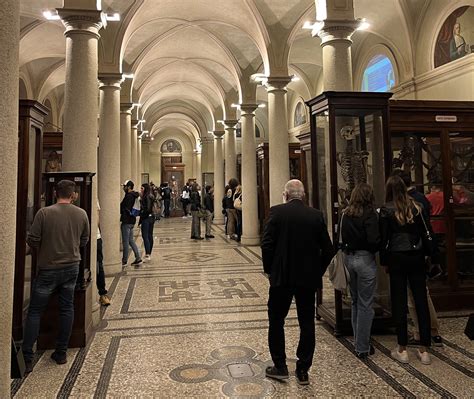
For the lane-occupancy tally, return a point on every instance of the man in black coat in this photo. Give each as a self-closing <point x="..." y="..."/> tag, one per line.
<point x="296" y="251"/>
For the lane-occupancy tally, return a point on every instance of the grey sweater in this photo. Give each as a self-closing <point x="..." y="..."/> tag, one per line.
<point x="58" y="231"/>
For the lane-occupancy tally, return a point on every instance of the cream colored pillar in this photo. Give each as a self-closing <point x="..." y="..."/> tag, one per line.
<point x="207" y="157"/>
<point x="250" y="221"/>
<point x="338" y="26"/>
<point x="9" y="46"/>
<point x="134" y="153"/>
<point x="146" y="155"/>
<point x="125" y="142"/>
<point x="218" y="177"/>
<point x="81" y="92"/>
<point x="109" y="171"/>
<point x="194" y="174"/>
<point x="279" y="161"/>
<point x="230" y="153"/>
<point x="139" y="161"/>
<point x="198" y="168"/>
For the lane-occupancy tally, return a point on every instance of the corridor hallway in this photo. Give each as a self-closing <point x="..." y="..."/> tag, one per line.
<point x="193" y="323"/>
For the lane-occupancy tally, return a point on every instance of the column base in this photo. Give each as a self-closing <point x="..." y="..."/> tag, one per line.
<point x="95" y="311"/>
<point x="250" y="241"/>
<point x="111" y="269"/>
<point x="218" y="219"/>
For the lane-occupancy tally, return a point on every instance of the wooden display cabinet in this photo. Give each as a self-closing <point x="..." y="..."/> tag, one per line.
<point x="30" y="138"/>
<point x="263" y="176"/>
<point x="82" y="327"/>
<point x="349" y="137"/>
<point x="434" y="142"/>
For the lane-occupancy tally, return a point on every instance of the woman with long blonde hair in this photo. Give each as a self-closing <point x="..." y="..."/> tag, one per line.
<point x="360" y="241"/>
<point x="403" y="256"/>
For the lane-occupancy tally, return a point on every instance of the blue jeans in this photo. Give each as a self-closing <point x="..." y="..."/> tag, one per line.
<point x="48" y="281"/>
<point x="147" y="233"/>
<point x="362" y="269"/>
<point x="127" y="239"/>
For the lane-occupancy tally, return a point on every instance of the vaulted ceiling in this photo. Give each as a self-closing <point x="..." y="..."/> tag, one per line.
<point x="190" y="59"/>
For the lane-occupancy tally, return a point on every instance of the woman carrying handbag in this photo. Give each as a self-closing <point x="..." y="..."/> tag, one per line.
<point x="360" y="241"/>
<point x="404" y="245"/>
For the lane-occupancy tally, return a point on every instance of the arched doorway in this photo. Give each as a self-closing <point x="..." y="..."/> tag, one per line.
<point x="172" y="172"/>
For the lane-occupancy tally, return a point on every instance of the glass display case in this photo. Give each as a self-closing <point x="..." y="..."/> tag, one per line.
<point x="349" y="143"/>
<point x="434" y="142"/>
<point x="30" y="137"/>
<point x="82" y="327"/>
<point x="263" y="175"/>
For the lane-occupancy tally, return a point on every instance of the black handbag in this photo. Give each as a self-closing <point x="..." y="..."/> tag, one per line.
<point x="429" y="244"/>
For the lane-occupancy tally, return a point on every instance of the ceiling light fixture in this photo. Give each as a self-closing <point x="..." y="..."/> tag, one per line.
<point x="295" y="78"/>
<point x="50" y="16"/>
<point x="314" y="26"/>
<point x="262" y="105"/>
<point x="115" y="17"/>
<point x="363" y="24"/>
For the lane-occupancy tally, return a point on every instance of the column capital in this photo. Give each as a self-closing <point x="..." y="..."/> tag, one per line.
<point x="218" y="134"/>
<point x="337" y="31"/>
<point x="206" y="140"/>
<point x="81" y="21"/>
<point x="126" y="108"/>
<point x="113" y="80"/>
<point x="246" y="109"/>
<point x="230" y="123"/>
<point x="277" y="83"/>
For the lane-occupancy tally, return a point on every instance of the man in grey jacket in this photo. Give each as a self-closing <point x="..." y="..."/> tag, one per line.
<point x="57" y="234"/>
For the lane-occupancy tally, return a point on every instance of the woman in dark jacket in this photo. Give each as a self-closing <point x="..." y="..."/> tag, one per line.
<point x="147" y="219"/>
<point x="195" y="201"/>
<point x="403" y="256"/>
<point x="360" y="241"/>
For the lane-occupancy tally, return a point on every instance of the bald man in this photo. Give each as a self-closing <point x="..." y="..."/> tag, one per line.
<point x="296" y="251"/>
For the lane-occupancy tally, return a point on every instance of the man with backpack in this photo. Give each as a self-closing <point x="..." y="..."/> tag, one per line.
<point x="128" y="218"/>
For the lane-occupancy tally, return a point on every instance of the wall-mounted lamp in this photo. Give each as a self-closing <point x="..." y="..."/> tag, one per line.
<point x="115" y="17"/>
<point x="235" y="106"/>
<point x="50" y="16"/>
<point x="128" y="75"/>
<point x="295" y="78"/>
<point x="262" y="105"/>
<point x="315" y="27"/>
<point x="363" y="24"/>
<point x="136" y="105"/>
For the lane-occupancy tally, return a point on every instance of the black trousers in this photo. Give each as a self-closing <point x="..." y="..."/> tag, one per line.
<point x="279" y="303"/>
<point x="409" y="268"/>
<point x="100" y="269"/>
<point x="167" y="203"/>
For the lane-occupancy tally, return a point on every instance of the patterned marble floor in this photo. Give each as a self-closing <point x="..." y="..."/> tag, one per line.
<point x="193" y="323"/>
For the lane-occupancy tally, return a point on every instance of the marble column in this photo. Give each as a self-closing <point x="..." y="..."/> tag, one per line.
<point x="109" y="171"/>
<point x="337" y="62"/>
<point x="230" y="154"/>
<point x="250" y="221"/>
<point x="279" y="161"/>
<point x="146" y="142"/>
<point x="207" y="155"/>
<point x="198" y="167"/>
<point x="139" y="161"/>
<point x="81" y="92"/>
<point x="125" y="141"/>
<point x="194" y="174"/>
<point x="134" y="153"/>
<point x="9" y="46"/>
<point x="218" y="177"/>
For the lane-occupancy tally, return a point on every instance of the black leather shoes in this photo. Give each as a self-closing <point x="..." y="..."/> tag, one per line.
<point x="59" y="357"/>
<point x="302" y="377"/>
<point x="277" y="373"/>
<point x="209" y="236"/>
<point x="28" y="367"/>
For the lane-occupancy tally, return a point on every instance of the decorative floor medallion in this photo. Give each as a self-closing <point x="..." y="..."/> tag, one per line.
<point x="236" y="366"/>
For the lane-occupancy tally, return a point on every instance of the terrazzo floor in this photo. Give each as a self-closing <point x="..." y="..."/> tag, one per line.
<point x="193" y="323"/>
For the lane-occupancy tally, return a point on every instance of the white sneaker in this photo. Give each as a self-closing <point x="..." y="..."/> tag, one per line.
<point x="402" y="357"/>
<point x="424" y="357"/>
<point x="147" y="258"/>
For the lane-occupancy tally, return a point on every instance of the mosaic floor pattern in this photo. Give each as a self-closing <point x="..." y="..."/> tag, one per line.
<point x="193" y="323"/>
